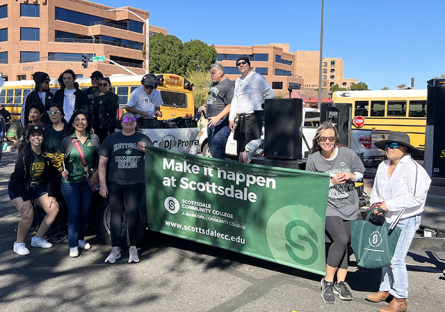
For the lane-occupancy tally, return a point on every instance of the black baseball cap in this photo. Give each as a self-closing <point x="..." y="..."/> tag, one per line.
<point x="35" y="129"/>
<point x="97" y="74"/>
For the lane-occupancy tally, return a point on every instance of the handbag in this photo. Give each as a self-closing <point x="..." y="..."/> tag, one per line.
<point x="88" y="172"/>
<point x="374" y="244"/>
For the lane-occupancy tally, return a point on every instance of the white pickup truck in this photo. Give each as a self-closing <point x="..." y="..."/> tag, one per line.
<point x="361" y="140"/>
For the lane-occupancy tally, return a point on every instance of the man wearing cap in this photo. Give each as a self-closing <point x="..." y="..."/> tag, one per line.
<point x="93" y="91"/>
<point x="40" y="96"/>
<point x="145" y="101"/>
<point x="251" y="89"/>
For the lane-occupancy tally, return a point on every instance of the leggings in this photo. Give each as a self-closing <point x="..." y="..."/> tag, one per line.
<point x="125" y="197"/>
<point x="339" y="232"/>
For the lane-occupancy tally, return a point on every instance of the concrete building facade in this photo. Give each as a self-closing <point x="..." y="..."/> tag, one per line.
<point x="51" y="36"/>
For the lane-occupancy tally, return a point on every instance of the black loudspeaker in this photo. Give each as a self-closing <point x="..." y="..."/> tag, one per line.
<point x="435" y="128"/>
<point x="341" y="116"/>
<point x="283" y="118"/>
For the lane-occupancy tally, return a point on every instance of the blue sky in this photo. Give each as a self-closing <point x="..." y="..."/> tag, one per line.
<point x="382" y="42"/>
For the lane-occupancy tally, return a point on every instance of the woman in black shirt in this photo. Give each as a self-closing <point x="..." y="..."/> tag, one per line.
<point x="105" y="110"/>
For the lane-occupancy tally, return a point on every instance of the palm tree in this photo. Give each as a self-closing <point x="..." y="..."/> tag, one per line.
<point x="385" y="88"/>
<point x="402" y="85"/>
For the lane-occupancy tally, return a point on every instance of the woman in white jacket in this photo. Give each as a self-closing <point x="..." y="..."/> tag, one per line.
<point x="400" y="189"/>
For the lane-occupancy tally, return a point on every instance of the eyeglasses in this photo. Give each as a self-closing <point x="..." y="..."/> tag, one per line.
<point x="96" y="78"/>
<point x="103" y="84"/>
<point x="392" y="145"/>
<point x="53" y="113"/>
<point x="131" y="119"/>
<point x="149" y="87"/>
<point x="330" y="139"/>
<point x="241" y="63"/>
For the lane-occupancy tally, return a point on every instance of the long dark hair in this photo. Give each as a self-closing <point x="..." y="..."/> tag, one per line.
<point x="70" y="128"/>
<point x="71" y="72"/>
<point x="60" y="108"/>
<point x="324" y="126"/>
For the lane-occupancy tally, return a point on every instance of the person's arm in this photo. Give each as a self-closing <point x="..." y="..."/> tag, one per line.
<point x="264" y="87"/>
<point x="158" y="104"/>
<point x="214" y="120"/>
<point x="103" y="176"/>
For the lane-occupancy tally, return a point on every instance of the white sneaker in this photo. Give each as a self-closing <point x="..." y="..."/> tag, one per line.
<point x="74" y="252"/>
<point x="84" y="245"/>
<point x="20" y="249"/>
<point x="114" y="255"/>
<point x="40" y="242"/>
<point x="133" y="255"/>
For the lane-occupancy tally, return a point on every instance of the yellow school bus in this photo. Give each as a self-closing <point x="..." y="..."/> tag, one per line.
<point x="395" y="110"/>
<point x="176" y="92"/>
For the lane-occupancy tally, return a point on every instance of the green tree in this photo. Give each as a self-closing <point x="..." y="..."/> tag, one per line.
<point x="359" y="86"/>
<point x="198" y="55"/>
<point x="280" y="95"/>
<point x="201" y="84"/>
<point x="385" y="88"/>
<point x="166" y="54"/>
<point x="400" y="86"/>
<point x="336" y="87"/>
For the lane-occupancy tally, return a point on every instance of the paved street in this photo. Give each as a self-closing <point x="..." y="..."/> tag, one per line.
<point x="177" y="275"/>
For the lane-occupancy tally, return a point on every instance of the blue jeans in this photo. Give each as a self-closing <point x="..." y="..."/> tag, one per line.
<point x="78" y="198"/>
<point x="395" y="277"/>
<point x="217" y="138"/>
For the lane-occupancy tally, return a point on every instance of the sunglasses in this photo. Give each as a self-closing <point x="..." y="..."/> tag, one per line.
<point x="330" y="139"/>
<point x="131" y="119"/>
<point x="53" y="113"/>
<point x="391" y="145"/>
<point x="46" y="81"/>
<point x="103" y="84"/>
<point x="149" y="87"/>
<point x="241" y="63"/>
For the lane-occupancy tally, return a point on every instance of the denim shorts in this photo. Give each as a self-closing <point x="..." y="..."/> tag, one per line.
<point x="33" y="192"/>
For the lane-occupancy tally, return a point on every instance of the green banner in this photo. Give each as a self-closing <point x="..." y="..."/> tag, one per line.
<point x="274" y="214"/>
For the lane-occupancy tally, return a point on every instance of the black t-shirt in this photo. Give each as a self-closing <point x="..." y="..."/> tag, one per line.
<point x="127" y="162"/>
<point x="53" y="139"/>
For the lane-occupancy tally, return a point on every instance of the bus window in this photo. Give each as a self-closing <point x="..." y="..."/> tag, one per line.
<point x="361" y="108"/>
<point x="9" y="95"/>
<point x="18" y="96"/>
<point x="2" y="97"/>
<point x="54" y="90"/>
<point x="417" y="108"/>
<point x="25" y="93"/>
<point x="174" y="99"/>
<point x="378" y="108"/>
<point x="396" y="108"/>
<point x="122" y="93"/>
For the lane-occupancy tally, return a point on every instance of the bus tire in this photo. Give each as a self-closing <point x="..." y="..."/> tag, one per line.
<point x="103" y="225"/>
<point x="205" y="151"/>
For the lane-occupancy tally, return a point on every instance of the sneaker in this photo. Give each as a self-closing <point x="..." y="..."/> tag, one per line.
<point x="114" y="255"/>
<point x="84" y="245"/>
<point x="74" y="252"/>
<point x="20" y="249"/>
<point x="341" y="289"/>
<point x="133" y="255"/>
<point x="327" y="291"/>
<point x="40" y="242"/>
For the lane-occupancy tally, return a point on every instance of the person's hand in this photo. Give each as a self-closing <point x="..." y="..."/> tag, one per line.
<point x="103" y="191"/>
<point x="201" y="108"/>
<point x="65" y="174"/>
<point x="143" y="113"/>
<point x="53" y="203"/>
<point x="101" y="93"/>
<point x="375" y="205"/>
<point x="26" y="208"/>
<point x="92" y="131"/>
<point x="213" y="121"/>
<point x="95" y="178"/>
<point x="141" y="146"/>
<point x="158" y="113"/>
<point x="232" y="125"/>
<point x="338" y="179"/>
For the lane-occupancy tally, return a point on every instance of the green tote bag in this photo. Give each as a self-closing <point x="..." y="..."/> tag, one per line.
<point x="373" y="245"/>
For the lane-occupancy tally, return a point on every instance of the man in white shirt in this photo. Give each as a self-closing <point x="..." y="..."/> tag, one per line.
<point x="251" y="89"/>
<point x="145" y="101"/>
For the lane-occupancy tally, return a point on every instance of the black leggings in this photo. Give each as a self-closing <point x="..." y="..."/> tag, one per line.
<point x="339" y="232"/>
<point x="125" y="197"/>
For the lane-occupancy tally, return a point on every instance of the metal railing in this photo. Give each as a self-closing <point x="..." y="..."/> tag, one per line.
<point x="100" y="41"/>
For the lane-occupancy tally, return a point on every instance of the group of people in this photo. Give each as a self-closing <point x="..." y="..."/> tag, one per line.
<point x="68" y="145"/>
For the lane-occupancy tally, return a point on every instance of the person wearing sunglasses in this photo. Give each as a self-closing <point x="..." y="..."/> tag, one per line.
<point x="344" y="167"/>
<point x="124" y="184"/>
<point x="105" y="110"/>
<point x="400" y="189"/>
<point x="93" y="91"/>
<point x="251" y="89"/>
<point x="40" y="95"/>
<point x="145" y="101"/>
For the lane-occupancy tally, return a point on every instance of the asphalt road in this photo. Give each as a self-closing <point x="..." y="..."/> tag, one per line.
<point x="178" y="275"/>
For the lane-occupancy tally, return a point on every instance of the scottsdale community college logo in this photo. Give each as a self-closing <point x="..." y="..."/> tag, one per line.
<point x="375" y="239"/>
<point x="171" y="204"/>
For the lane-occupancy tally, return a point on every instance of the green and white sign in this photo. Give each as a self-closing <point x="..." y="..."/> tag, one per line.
<point x="99" y="58"/>
<point x="275" y="214"/>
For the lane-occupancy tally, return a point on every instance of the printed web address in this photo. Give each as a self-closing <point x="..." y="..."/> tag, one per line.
<point x="208" y="232"/>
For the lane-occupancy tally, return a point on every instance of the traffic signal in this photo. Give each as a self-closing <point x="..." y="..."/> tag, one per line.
<point x="84" y="61"/>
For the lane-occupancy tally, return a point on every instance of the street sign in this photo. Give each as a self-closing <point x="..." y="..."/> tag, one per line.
<point x="359" y="121"/>
<point x="99" y="58"/>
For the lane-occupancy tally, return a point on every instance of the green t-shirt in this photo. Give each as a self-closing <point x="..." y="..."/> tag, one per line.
<point x="36" y="170"/>
<point x="53" y="139"/>
<point x="74" y="165"/>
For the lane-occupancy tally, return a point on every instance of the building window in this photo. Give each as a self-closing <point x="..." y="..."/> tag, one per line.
<point x="332" y="71"/>
<point x="231" y="71"/>
<point x="277" y="85"/>
<point x="324" y="84"/>
<point x="127" y="61"/>
<point x="282" y="72"/>
<point x="344" y="84"/>
<point x="332" y="63"/>
<point x="332" y="77"/>
<point x="325" y="64"/>
<point x="3" y="57"/>
<point x="324" y="77"/>
<point x="295" y="86"/>
<point x="135" y="26"/>
<point x="279" y="60"/>
<point x="62" y="36"/>
<point x="29" y="57"/>
<point x="67" y="57"/>
<point x="262" y="70"/>
<point x="29" y="34"/>
<point x="76" y="17"/>
<point x="4" y="34"/>
<point x="3" y="11"/>
<point x="29" y="10"/>
<point x="260" y="57"/>
<point x="21" y="77"/>
<point x="325" y="71"/>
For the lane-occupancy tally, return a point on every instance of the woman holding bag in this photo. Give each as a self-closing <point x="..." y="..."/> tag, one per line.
<point x="400" y="189"/>
<point x="81" y="155"/>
